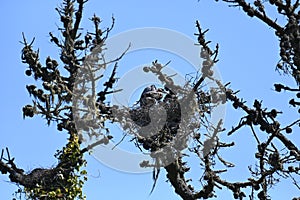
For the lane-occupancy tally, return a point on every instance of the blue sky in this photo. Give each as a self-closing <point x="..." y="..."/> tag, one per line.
<point x="248" y="55"/>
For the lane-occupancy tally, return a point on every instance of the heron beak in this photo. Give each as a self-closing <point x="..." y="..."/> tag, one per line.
<point x="161" y="90"/>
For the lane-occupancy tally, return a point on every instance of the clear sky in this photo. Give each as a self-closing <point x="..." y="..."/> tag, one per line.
<point x="248" y="55"/>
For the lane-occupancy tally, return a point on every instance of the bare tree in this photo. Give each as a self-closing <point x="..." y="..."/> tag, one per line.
<point x="66" y="94"/>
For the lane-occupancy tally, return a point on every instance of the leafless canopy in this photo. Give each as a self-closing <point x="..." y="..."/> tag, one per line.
<point x="67" y="96"/>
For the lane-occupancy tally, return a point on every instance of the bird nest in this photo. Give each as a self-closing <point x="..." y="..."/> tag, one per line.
<point x="48" y="179"/>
